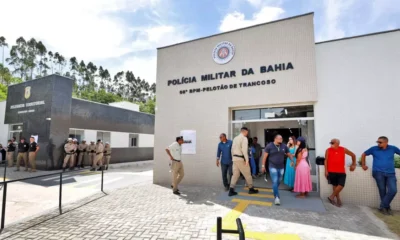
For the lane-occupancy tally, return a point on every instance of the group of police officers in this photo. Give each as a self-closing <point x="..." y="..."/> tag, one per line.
<point x="98" y="154"/>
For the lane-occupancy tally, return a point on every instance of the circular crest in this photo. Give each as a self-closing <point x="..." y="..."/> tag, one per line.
<point x="223" y="52"/>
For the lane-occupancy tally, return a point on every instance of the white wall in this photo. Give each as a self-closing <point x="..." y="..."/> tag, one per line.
<point x="4" y="128"/>
<point x="90" y="135"/>
<point x="358" y="89"/>
<point x="146" y="140"/>
<point x="119" y="140"/>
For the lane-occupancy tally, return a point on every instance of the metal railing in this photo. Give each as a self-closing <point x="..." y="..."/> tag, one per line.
<point x="4" y="185"/>
<point x="239" y="230"/>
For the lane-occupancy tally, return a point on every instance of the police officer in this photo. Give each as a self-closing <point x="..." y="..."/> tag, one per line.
<point x="69" y="148"/>
<point x="33" y="149"/>
<point x="10" y="153"/>
<point x="75" y="155"/>
<point x="92" y="152"/>
<point x="82" y="148"/>
<point x="107" y="154"/>
<point x="23" y="148"/>
<point x="99" y="156"/>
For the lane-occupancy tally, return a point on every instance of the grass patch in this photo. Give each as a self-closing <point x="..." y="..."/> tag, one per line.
<point x="393" y="222"/>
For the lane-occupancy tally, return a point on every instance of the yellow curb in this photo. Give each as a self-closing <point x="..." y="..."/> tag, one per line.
<point x="260" y="189"/>
<point x="256" y="195"/>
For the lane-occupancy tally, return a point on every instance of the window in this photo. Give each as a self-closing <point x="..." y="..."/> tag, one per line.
<point x="104" y="137"/>
<point x="133" y="140"/>
<point x="16" y="127"/>
<point x="76" y="133"/>
<point x="277" y="112"/>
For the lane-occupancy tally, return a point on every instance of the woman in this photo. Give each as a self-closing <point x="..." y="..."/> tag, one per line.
<point x="252" y="150"/>
<point x="302" y="183"/>
<point x="289" y="170"/>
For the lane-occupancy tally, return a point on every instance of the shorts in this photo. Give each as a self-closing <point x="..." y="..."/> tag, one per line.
<point x="337" y="179"/>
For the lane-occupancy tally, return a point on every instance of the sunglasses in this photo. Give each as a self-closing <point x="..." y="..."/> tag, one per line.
<point x="378" y="142"/>
<point x="331" y="143"/>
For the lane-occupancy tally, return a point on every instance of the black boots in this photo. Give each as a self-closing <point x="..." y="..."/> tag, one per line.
<point x="253" y="191"/>
<point x="232" y="192"/>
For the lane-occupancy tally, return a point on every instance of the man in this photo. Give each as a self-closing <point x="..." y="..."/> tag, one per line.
<point x="23" y="148"/>
<point x="276" y="152"/>
<point x="75" y="155"/>
<point x="107" y="154"/>
<point x="99" y="156"/>
<point x="69" y="148"/>
<point x="224" y="158"/>
<point x="82" y="153"/>
<point x="92" y="152"/>
<point x="240" y="158"/>
<point x="383" y="171"/>
<point x="174" y="152"/>
<point x="335" y="172"/>
<point x="10" y="153"/>
<point x="257" y="154"/>
<point x="33" y="149"/>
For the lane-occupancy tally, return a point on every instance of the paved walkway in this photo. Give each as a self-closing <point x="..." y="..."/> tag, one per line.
<point x="153" y="212"/>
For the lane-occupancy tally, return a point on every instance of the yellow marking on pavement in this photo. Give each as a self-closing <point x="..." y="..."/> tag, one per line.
<point x="266" y="204"/>
<point x="261" y="189"/>
<point x="6" y="179"/>
<point x="229" y="222"/>
<point x="255" y="195"/>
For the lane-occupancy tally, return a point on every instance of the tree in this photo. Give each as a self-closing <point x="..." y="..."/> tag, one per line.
<point x="42" y="52"/>
<point x="30" y="61"/>
<point x="149" y="106"/>
<point x="3" y="44"/>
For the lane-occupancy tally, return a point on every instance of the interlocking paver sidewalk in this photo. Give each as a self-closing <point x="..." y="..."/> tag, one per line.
<point x="153" y="212"/>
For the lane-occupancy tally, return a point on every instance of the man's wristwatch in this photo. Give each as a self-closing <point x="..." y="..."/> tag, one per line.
<point x="263" y="166"/>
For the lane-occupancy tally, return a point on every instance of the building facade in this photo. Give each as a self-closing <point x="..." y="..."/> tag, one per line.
<point x="274" y="78"/>
<point x="45" y="108"/>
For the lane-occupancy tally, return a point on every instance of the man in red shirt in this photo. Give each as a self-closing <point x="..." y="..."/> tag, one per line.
<point x="335" y="172"/>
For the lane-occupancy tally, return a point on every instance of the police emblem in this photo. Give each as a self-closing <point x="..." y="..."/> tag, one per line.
<point x="223" y="52"/>
<point x="27" y="92"/>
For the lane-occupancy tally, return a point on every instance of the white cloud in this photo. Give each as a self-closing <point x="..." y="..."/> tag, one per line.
<point x="157" y="36"/>
<point x="262" y="3"/>
<point x="237" y="19"/>
<point x="145" y="67"/>
<point x="85" y="29"/>
<point x="333" y="11"/>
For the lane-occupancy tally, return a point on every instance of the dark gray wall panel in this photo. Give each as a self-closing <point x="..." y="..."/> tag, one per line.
<point x="89" y="115"/>
<point x="121" y="155"/>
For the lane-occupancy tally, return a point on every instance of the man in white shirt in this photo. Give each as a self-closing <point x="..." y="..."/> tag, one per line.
<point x="174" y="152"/>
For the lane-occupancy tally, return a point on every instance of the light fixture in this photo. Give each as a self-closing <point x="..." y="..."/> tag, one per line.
<point x="48" y="119"/>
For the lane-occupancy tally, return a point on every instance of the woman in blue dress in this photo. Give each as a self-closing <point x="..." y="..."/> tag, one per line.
<point x="290" y="172"/>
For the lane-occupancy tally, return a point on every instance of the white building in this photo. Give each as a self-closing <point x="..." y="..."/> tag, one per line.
<point x="274" y="78"/>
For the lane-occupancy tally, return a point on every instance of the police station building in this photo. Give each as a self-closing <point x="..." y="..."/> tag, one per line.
<point x="44" y="108"/>
<point x="274" y="78"/>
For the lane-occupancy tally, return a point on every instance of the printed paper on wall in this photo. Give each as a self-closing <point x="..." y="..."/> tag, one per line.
<point x="189" y="144"/>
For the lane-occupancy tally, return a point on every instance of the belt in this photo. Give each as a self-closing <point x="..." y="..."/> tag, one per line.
<point x="239" y="156"/>
<point x="176" y="160"/>
<point x="69" y="153"/>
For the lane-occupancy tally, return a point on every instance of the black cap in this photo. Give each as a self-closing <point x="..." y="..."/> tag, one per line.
<point x="98" y="140"/>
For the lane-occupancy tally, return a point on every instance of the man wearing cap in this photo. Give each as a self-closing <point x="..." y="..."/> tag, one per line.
<point x="75" y="155"/>
<point x="69" y="148"/>
<point x="107" y="154"/>
<point x="99" y="156"/>
<point x="33" y="149"/>
<point x="240" y="158"/>
<point x="174" y="152"/>
<point x="92" y="152"/>
<point x="82" y="153"/>
<point x="23" y="148"/>
<point x="10" y="153"/>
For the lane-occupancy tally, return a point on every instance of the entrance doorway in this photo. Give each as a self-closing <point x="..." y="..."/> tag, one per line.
<point x="290" y="121"/>
<point x="15" y="132"/>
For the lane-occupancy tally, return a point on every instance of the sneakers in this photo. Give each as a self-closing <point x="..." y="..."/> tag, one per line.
<point x="177" y="192"/>
<point x="277" y="201"/>
<point x="232" y="192"/>
<point x="226" y="189"/>
<point x="265" y="178"/>
<point x="253" y="191"/>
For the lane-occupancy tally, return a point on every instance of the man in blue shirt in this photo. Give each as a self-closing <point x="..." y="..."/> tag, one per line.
<point x="383" y="171"/>
<point x="224" y="158"/>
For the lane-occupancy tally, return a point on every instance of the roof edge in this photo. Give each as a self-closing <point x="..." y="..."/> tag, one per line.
<point x="239" y="29"/>
<point x="359" y="36"/>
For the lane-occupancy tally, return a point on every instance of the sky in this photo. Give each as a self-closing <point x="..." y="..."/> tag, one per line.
<point x="123" y="35"/>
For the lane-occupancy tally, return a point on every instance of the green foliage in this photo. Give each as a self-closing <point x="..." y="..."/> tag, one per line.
<point x="149" y="106"/>
<point x="31" y="59"/>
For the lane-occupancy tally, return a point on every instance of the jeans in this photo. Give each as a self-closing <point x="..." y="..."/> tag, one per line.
<point x="226" y="169"/>
<point x="253" y="166"/>
<point x="276" y="176"/>
<point x="257" y="165"/>
<point x="387" y="186"/>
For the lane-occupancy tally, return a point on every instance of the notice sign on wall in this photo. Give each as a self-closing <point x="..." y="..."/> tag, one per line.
<point x="189" y="144"/>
